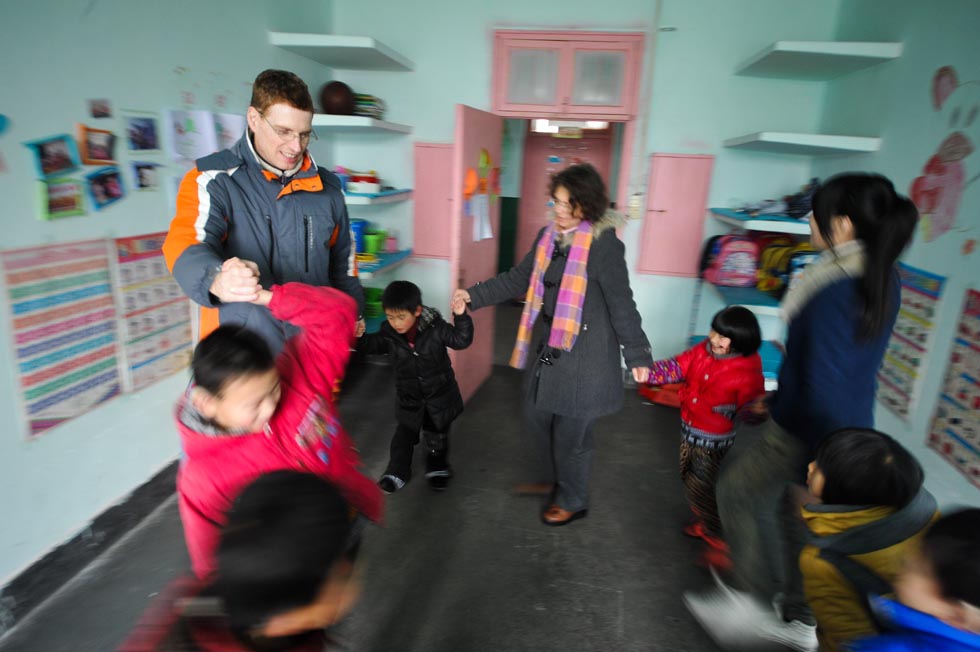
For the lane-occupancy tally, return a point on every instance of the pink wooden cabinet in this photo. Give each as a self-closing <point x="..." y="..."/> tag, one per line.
<point x="574" y="75"/>
<point x="673" y="225"/>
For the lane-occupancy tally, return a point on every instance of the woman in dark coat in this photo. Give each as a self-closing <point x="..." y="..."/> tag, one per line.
<point x="579" y="319"/>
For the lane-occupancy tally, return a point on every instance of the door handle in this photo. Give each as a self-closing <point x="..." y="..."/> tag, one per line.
<point x="658" y="210"/>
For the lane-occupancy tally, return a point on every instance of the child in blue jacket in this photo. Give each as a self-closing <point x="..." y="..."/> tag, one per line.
<point x="938" y="608"/>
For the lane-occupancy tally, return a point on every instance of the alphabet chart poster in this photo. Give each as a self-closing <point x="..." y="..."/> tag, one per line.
<point x="955" y="432"/>
<point x="63" y="326"/>
<point x="902" y="367"/>
<point x="155" y="315"/>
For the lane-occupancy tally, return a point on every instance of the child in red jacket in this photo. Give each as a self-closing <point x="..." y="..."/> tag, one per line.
<point x="247" y="414"/>
<point x="720" y="376"/>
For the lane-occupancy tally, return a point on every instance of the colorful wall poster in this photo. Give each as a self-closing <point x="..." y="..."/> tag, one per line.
<point x="155" y="315"/>
<point x="955" y="432"/>
<point x="63" y="327"/>
<point x="905" y="358"/>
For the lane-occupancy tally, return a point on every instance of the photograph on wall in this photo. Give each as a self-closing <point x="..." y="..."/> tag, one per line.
<point x="54" y="156"/>
<point x="955" y="432"/>
<point x="62" y="198"/>
<point x="190" y="135"/>
<point x="155" y="315"/>
<point x="142" y="132"/>
<point x="228" y="127"/>
<point x="908" y="348"/>
<point x="62" y="322"/>
<point x="146" y="176"/>
<point x="100" y="108"/>
<point x="98" y="146"/>
<point x="105" y="186"/>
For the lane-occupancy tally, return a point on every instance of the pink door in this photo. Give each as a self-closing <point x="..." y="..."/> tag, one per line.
<point x="673" y="226"/>
<point x="543" y="156"/>
<point x="433" y="200"/>
<point x="476" y="154"/>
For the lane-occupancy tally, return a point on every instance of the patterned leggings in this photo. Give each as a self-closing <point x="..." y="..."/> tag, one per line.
<point x="699" y="473"/>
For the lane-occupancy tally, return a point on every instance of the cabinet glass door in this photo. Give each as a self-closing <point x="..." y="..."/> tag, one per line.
<point x="598" y="78"/>
<point x="532" y="75"/>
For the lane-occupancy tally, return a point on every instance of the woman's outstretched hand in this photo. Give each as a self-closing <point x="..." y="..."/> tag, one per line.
<point x="461" y="295"/>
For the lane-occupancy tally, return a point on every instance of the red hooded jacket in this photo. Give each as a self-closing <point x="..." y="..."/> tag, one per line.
<point x="303" y="434"/>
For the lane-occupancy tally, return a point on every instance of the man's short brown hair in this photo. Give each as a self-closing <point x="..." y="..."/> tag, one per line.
<point x="280" y="86"/>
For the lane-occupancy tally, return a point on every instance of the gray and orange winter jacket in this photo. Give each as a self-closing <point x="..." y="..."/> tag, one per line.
<point x="296" y="229"/>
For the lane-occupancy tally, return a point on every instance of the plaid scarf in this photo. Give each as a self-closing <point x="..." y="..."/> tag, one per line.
<point x="571" y="293"/>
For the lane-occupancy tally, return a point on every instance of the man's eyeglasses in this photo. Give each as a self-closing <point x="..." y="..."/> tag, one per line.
<point x="561" y="204"/>
<point x="287" y="135"/>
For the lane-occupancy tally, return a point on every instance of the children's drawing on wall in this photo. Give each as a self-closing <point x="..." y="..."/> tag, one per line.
<point x="62" y="198"/>
<point x="145" y="175"/>
<point x="947" y="173"/>
<point x="142" y="133"/>
<point x="105" y="186"/>
<point x="54" y="156"/>
<point x="190" y="135"/>
<point x="481" y="188"/>
<point x="229" y="127"/>
<point x="100" y="108"/>
<point x="98" y="145"/>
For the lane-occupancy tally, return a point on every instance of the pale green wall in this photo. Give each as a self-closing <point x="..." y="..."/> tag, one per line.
<point x="694" y="103"/>
<point x="894" y="101"/>
<point x="54" y="55"/>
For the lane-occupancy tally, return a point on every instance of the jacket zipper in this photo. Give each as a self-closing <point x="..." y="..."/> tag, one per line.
<point x="272" y="245"/>
<point x="308" y="223"/>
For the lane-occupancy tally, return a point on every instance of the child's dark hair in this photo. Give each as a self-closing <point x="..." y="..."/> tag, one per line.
<point x="862" y="466"/>
<point x="950" y="545"/>
<point x="738" y="324"/>
<point x="586" y="190"/>
<point x="284" y="533"/>
<point x="883" y="220"/>
<point x="401" y="295"/>
<point x="227" y="353"/>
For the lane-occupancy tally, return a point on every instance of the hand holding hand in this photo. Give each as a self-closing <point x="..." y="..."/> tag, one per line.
<point x="263" y="298"/>
<point x="461" y="295"/>
<point x="641" y="374"/>
<point x="238" y="280"/>
<point x="458" y="305"/>
<point x="360" y="327"/>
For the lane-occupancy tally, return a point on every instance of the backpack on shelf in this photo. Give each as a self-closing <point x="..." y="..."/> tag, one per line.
<point x="798" y="260"/>
<point x="775" y="265"/>
<point x="730" y="260"/>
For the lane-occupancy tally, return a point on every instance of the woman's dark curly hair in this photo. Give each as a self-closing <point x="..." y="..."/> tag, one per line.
<point x="586" y="190"/>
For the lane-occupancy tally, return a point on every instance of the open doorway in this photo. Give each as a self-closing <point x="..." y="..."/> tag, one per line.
<point x="533" y="150"/>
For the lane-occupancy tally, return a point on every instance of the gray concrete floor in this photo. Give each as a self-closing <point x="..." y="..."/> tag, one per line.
<point x="470" y="569"/>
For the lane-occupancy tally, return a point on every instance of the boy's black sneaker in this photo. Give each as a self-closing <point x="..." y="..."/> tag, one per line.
<point x="438" y="480"/>
<point x="390" y="483"/>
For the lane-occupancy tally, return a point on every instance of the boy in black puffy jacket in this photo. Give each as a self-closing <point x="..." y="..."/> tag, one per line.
<point x="415" y="338"/>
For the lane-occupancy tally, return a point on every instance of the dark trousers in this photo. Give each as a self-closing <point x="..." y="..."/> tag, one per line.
<point x="565" y="449"/>
<point x="699" y="466"/>
<point x="761" y="521"/>
<point x="403" y="445"/>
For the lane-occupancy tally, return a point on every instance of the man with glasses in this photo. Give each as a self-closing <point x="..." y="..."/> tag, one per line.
<point x="262" y="213"/>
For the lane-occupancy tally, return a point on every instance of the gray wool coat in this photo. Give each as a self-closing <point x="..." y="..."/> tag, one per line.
<point x="587" y="381"/>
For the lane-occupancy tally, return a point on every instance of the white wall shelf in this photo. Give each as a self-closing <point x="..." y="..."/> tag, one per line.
<point x="342" y="52"/>
<point x="781" y="142"/>
<point x="355" y="124"/>
<point x="758" y="302"/>
<point x="384" y="263"/>
<point x="772" y="223"/>
<point x="388" y="197"/>
<point x="817" y="60"/>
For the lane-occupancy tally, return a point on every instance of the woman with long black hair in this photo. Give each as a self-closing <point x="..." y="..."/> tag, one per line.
<point x="839" y="319"/>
